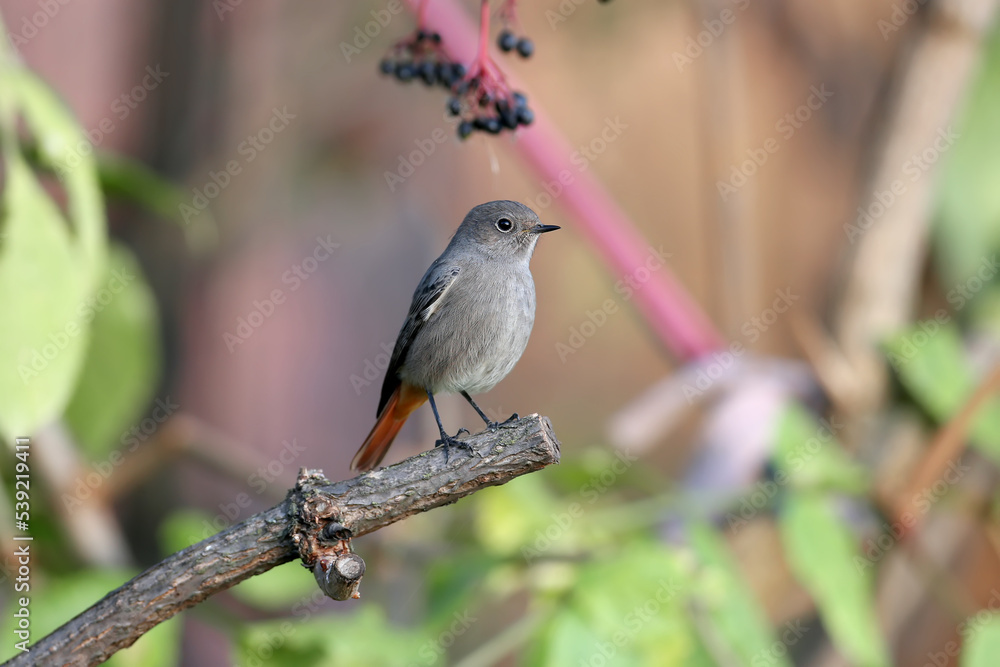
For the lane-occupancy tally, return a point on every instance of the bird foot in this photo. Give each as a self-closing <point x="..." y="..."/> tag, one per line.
<point x="448" y="442"/>
<point x="510" y="423"/>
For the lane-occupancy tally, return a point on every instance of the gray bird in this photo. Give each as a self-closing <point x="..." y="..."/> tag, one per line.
<point x="468" y="323"/>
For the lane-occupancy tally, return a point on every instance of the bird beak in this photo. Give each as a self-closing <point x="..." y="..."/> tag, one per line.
<point x="541" y="229"/>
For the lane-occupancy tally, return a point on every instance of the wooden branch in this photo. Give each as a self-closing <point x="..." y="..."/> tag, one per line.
<point x="315" y="522"/>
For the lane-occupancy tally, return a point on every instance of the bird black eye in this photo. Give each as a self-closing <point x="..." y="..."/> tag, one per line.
<point x="504" y="225"/>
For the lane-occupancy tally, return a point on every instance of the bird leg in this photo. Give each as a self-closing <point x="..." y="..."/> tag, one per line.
<point x="446" y="440"/>
<point x="491" y="426"/>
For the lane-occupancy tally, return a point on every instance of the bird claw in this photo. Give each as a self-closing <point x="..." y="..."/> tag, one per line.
<point x="448" y="442"/>
<point x="511" y="421"/>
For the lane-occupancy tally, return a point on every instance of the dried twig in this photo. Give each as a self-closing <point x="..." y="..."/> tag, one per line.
<point x="315" y="522"/>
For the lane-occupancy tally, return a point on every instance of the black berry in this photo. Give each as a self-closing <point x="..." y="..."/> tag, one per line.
<point x="464" y="129"/>
<point x="525" y="47"/>
<point x="454" y="106"/>
<point x="405" y="71"/>
<point x="508" y="116"/>
<point x="506" y="41"/>
<point x="525" y="116"/>
<point x="442" y="71"/>
<point x="387" y="66"/>
<point x="427" y="72"/>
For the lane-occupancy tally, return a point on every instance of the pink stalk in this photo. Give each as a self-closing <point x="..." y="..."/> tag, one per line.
<point x="484" y="30"/>
<point x="671" y="312"/>
<point x="491" y="77"/>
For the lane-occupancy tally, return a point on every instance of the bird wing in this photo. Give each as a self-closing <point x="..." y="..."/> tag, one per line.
<point x="426" y="300"/>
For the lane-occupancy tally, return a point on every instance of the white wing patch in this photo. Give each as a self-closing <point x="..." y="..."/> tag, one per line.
<point x="433" y="308"/>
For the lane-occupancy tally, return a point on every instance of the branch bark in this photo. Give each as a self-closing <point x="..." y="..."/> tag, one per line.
<point x="315" y="523"/>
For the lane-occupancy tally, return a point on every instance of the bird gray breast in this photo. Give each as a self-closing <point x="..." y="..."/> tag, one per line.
<point x="479" y="330"/>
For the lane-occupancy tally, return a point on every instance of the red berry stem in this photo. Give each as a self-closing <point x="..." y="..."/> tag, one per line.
<point x="508" y="14"/>
<point x="484" y="31"/>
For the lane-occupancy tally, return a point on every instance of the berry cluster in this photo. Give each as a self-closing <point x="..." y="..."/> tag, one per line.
<point x="489" y="112"/>
<point x="421" y="56"/>
<point x="481" y="99"/>
<point x="507" y="42"/>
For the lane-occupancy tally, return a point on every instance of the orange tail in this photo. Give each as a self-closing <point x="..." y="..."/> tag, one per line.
<point x="403" y="401"/>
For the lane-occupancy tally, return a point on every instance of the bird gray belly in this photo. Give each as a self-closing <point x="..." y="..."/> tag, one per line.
<point x="473" y="358"/>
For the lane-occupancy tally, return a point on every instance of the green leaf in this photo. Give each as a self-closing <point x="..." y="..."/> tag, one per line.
<point x="734" y="611"/>
<point x="121" y="368"/>
<point x="515" y="516"/>
<point x="983" y="644"/>
<point x="631" y="603"/>
<point x="279" y="588"/>
<point x="932" y="365"/>
<point x="571" y="641"/>
<point x="808" y="455"/>
<point x="309" y="640"/>
<point x="48" y="262"/>
<point x="131" y="180"/>
<point x="43" y="341"/>
<point x="825" y="558"/>
<point x="186" y="527"/>
<point x="63" y="147"/>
